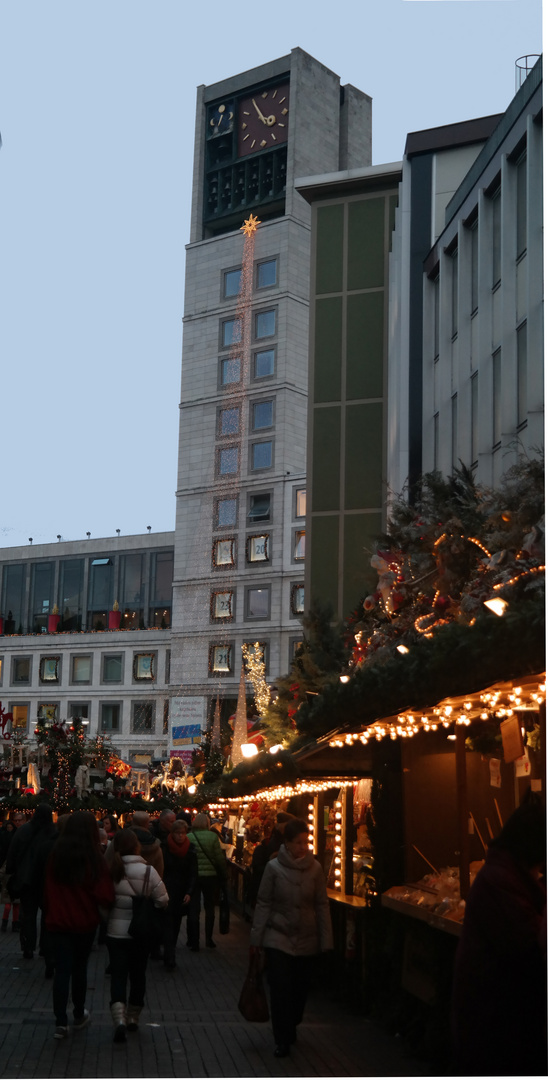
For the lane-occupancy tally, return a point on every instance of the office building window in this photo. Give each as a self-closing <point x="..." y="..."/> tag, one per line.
<point x="20" y="714"/>
<point x="231" y="332"/>
<point x="142" y="717"/>
<point x="42" y="575"/>
<point x="131" y="590"/>
<point x="101" y="598"/>
<point x="522" y="374"/>
<point x="161" y="589"/>
<point x="222" y="605"/>
<point x="144" y="667"/>
<point x="226" y="511"/>
<point x="79" y="710"/>
<point x="228" y="421"/>
<point x="496" y="245"/>
<point x="13" y="602"/>
<point x="232" y="283"/>
<point x="300" y="502"/>
<point x="521" y="207"/>
<point x="454" y="267"/>
<point x="297" y="599"/>
<point x="474" y="419"/>
<point x="299" y="545"/>
<point x="295" y="644"/>
<point x="262" y="455"/>
<point x="474" y="268"/>
<point x="21" y="670"/>
<point x="48" y="712"/>
<point x="220" y="659"/>
<point x="265" y="324"/>
<point x="266" y="273"/>
<point x="165" y="718"/>
<point x="50" y="669"/>
<point x="264" y="363"/>
<point x="497" y="426"/>
<point x="259" y="507"/>
<point x="224" y="552"/>
<point x="262" y="415"/>
<point x="1" y="669"/>
<point x="454" y="432"/>
<point x="112" y="667"/>
<point x="71" y="592"/>
<point x="168" y="667"/>
<point x="258" y="548"/>
<point x="228" y="460"/>
<point x="110" y="715"/>
<point x="257" y="602"/>
<point x="436" y="441"/>
<point x="259" y="651"/>
<point x="230" y="370"/>
<point x="436" y="286"/>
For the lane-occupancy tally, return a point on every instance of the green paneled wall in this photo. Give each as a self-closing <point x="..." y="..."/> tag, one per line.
<point x="366" y="244"/>
<point x="324" y="560"/>
<point x="365" y="345"/>
<point x="359" y="576"/>
<point x="326" y="448"/>
<point x="363" y="456"/>
<point x="329" y="249"/>
<point x="327" y="350"/>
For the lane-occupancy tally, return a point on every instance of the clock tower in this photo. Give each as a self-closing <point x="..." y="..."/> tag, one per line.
<point x="240" y="536"/>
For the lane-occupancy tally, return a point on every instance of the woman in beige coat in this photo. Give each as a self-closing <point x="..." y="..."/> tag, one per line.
<point x="292" y="923"/>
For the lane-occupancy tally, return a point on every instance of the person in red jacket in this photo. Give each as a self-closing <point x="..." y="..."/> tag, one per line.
<point x="77" y="886"/>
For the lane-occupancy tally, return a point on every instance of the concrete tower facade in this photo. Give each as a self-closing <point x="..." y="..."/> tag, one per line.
<point x="241" y="493"/>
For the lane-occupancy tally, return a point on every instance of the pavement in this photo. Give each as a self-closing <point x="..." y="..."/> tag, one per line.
<point x="190" y="1025"/>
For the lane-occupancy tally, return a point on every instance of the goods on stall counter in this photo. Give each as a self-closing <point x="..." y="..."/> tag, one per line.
<point x="439" y="894"/>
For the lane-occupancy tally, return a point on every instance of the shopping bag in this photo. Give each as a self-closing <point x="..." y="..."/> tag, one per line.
<point x="253" y="1004"/>
<point x="224" y="911"/>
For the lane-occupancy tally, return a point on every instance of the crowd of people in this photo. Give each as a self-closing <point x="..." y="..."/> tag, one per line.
<point x="81" y="876"/>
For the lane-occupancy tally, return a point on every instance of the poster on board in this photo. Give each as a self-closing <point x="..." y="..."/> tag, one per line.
<point x="187" y="723"/>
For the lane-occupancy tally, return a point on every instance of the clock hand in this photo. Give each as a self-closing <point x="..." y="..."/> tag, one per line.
<point x="258" y="111"/>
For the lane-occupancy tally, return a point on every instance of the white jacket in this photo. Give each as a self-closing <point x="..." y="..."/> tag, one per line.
<point x="121" y="913"/>
<point x="292" y="910"/>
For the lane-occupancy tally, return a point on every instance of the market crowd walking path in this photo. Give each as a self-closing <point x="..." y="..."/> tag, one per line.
<point x="190" y="1025"/>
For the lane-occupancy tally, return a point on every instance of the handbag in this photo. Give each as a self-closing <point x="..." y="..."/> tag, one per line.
<point x="224" y="911"/>
<point x="253" y="1004"/>
<point x="143" y="920"/>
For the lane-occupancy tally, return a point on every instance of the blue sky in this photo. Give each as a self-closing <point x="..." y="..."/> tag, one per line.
<point x="97" y="109"/>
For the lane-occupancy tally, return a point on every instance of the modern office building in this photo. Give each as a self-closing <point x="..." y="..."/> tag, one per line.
<point x="58" y="657"/>
<point x="241" y="493"/>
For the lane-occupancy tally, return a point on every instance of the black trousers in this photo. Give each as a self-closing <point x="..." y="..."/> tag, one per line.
<point x="128" y="962"/>
<point x="71" y="952"/>
<point x="172" y="925"/>
<point x="207" y="887"/>
<point x="28" y="915"/>
<point x="289" y="979"/>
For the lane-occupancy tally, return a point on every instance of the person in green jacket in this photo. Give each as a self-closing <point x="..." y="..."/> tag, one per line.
<point x="211" y="873"/>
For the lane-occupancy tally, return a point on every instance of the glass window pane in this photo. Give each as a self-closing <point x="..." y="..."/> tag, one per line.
<point x="266" y="273"/>
<point x="49" y="669"/>
<point x="265" y="324"/>
<point x="144" y="666"/>
<point x="162" y="577"/>
<point x="496" y="398"/>
<point x="258" y="603"/>
<point x="221" y="605"/>
<point x="12" y="607"/>
<point x="232" y="282"/>
<point x="299" y="544"/>
<point x="522" y="373"/>
<point x="297" y="599"/>
<point x="259" y="507"/>
<point x="258" y="548"/>
<point x="300" y="501"/>
<point x="228" y="461"/>
<point x="71" y="593"/>
<point x="229" y="421"/>
<point x="226" y="513"/>
<point x="21" y="669"/>
<point x="110" y="717"/>
<point x="261" y="455"/>
<point x="223" y="553"/>
<point x="20" y="715"/>
<point x="474" y="417"/>
<point x="264" y="363"/>
<point x="48" y="711"/>
<point x="143" y="716"/>
<point x="263" y="414"/>
<point x="112" y="669"/>
<point x="42" y="593"/>
<point x="101" y="578"/>
<point x="232" y="332"/>
<point x="221" y="656"/>
<point x="521" y="215"/>
<point x="230" y="370"/>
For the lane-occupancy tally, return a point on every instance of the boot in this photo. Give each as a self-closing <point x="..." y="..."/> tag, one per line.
<point x="4" y="925"/>
<point x="132" y="1018"/>
<point x="118" y="1013"/>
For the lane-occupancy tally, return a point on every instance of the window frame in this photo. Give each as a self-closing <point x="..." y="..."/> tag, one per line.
<point x="251" y="523"/>
<point x="222" y="619"/>
<point x="137" y="703"/>
<point x="272" y="375"/>
<point x="151" y="655"/>
<point x="73" y="704"/>
<point x="223" y="540"/>
<point x="263" y="262"/>
<point x="295" y="586"/>
<point x="261" y="468"/>
<point x="20" y="682"/>
<point x="224" y="322"/>
<point x="248" y="542"/>
<point x="227" y="359"/>
<point x="216" y="503"/>
<point x="224" y="409"/>
<point x="296" y="492"/>
<point x="224" y="275"/>
<point x="48" y="705"/>
<point x="80" y="656"/>
<point x="21" y="705"/>
<point x="256" y="317"/>
<point x="219" y="451"/>
<point x="57" y="661"/>
<point x="296" y="533"/>
<point x="109" y="705"/>
<point x="214" y="672"/>
<point x="253" y="405"/>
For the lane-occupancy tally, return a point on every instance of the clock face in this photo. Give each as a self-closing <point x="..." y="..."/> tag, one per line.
<point x="220" y="118"/>
<point x="263" y="120"/>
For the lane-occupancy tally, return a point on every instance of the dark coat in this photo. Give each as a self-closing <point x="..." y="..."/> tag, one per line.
<point x="499" y="995"/>
<point x="180" y="873"/>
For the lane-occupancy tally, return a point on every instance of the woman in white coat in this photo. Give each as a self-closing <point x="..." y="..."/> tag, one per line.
<point x="128" y="957"/>
<point x="292" y="923"/>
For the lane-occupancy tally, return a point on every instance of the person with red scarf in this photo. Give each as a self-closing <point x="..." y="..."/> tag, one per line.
<point x="180" y="880"/>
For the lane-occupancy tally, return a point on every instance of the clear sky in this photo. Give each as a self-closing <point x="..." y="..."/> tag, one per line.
<point x="97" y="110"/>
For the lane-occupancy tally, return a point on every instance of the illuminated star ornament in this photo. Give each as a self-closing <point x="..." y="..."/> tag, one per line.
<point x="250" y="226"/>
